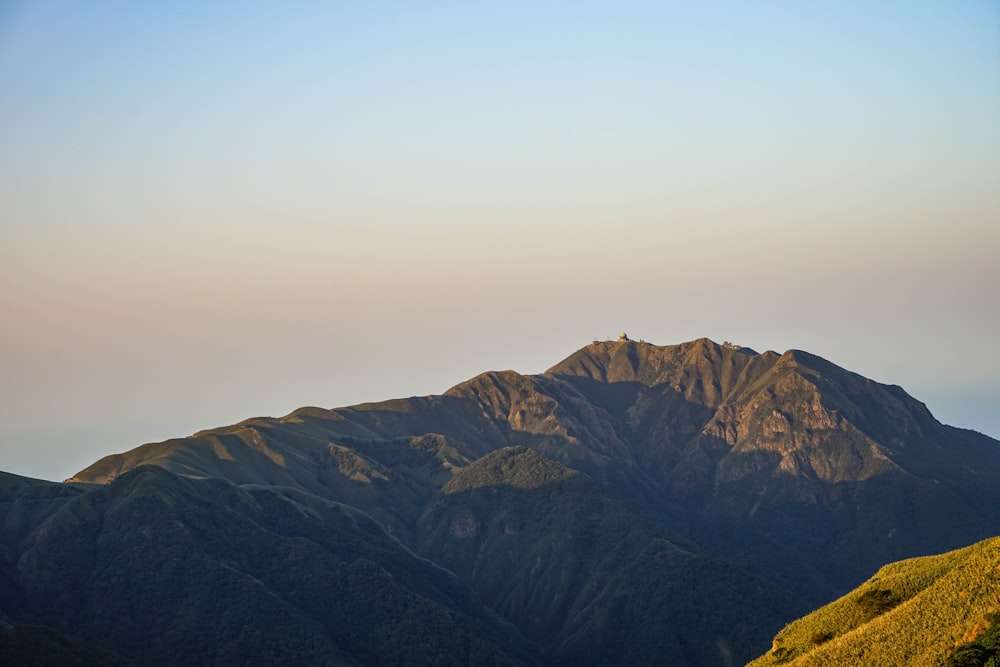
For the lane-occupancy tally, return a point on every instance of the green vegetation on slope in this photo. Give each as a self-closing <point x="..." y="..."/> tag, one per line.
<point x="915" y="612"/>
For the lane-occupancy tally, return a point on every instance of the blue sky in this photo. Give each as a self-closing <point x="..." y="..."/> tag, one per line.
<point x="211" y="213"/>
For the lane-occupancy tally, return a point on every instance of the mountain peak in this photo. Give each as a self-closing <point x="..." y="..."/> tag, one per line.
<point x="702" y="370"/>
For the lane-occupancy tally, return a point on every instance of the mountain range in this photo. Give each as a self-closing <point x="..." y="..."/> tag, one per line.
<point x="634" y="504"/>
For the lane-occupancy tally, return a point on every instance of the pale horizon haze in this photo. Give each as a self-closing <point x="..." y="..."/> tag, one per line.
<point x="215" y="211"/>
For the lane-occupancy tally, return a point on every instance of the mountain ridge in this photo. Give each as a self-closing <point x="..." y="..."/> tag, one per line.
<point x="705" y="438"/>
<point x="784" y="476"/>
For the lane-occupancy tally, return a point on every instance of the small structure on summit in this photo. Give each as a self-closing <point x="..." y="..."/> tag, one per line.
<point x="623" y="338"/>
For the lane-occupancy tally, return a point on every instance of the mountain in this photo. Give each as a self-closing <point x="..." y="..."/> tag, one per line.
<point x="935" y="610"/>
<point x="634" y="503"/>
<point x="586" y="578"/>
<point x="166" y="570"/>
<point x="810" y="474"/>
<point x="162" y="569"/>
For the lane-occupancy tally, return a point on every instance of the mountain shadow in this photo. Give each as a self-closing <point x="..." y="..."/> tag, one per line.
<point x="165" y="570"/>
<point x="585" y="577"/>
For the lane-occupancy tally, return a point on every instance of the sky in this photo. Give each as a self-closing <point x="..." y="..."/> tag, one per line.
<point x="214" y="211"/>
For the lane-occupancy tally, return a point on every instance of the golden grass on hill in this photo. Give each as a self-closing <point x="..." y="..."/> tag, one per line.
<point x="914" y="612"/>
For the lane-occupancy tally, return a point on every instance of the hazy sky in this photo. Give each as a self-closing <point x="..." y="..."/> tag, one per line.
<point x="212" y="211"/>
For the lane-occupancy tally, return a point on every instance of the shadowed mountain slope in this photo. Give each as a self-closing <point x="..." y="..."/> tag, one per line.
<point x="585" y="577"/>
<point x="39" y="646"/>
<point x="166" y="570"/>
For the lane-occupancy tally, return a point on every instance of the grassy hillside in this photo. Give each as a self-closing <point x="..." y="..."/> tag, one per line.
<point x="923" y="611"/>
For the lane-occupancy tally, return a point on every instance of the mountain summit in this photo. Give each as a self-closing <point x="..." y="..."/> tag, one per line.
<point x="631" y="491"/>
